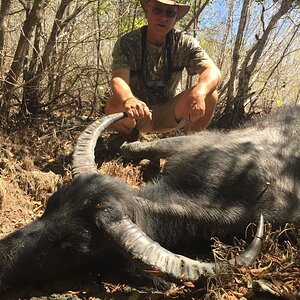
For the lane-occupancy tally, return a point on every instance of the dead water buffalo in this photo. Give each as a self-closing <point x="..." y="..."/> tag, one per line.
<point x="214" y="184"/>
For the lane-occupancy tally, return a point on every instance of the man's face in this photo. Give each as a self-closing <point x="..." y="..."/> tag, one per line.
<point x="161" y="17"/>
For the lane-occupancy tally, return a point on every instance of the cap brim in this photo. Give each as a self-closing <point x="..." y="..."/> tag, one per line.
<point x="182" y="8"/>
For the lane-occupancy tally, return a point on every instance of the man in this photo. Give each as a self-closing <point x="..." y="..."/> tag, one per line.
<point x="147" y="69"/>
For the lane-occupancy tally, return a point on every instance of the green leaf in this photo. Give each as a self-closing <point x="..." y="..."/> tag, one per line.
<point x="279" y="101"/>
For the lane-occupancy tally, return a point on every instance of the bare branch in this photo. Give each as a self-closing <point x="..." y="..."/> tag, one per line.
<point x="196" y="15"/>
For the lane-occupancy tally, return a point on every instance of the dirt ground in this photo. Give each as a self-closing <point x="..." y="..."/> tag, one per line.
<point x="35" y="159"/>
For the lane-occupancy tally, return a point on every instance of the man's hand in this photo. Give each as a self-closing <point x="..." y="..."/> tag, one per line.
<point x="136" y="108"/>
<point x="209" y="77"/>
<point x="196" y="106"/>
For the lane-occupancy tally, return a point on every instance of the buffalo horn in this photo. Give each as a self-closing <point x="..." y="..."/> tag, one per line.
<point x="138" y="246"/>
<point x="84" y="157"/>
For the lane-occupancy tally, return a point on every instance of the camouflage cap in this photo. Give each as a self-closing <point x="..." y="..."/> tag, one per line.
<point x="182" y="8"/>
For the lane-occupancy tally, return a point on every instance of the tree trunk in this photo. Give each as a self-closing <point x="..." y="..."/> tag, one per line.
<point x="5" y="5"/>
<point x="228" y="29"/>
<point x="31" y="88"/>
<point x="234" y="112"/>
<point x="225" y="120"/>
<point x="197" y="13"/>
<point x="32" y="97"/>
<point x="250" y="62"/>
<point x="4" y="9"/>
<point x="236" y="55"/>
<point x="28" y="73"/>
<point x="20" y="54"/>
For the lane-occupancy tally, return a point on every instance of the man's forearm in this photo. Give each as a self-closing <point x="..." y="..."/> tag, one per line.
<point x="121" y="90"/>
<point x="209" y="78"/>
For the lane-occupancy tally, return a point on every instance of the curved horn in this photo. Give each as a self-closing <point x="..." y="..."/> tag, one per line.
<point x="148" y="253"/>
<point x="84" y="157"/>
<point x="247" y="257"/>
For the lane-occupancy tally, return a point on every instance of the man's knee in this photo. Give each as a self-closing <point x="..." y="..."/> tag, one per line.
<point x="110" y="108"/>
<point x="212" y="99"/>
<point x="124" y="126"/>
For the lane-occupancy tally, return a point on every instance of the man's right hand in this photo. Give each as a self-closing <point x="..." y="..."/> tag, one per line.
<point x="136" y="109"/>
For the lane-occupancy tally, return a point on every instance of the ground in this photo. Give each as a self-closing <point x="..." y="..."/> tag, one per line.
<point x="35" y="159"/>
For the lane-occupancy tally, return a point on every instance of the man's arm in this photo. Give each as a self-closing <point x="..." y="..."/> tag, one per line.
<point x="123" y="98"/>
<point x="209" y="78"/>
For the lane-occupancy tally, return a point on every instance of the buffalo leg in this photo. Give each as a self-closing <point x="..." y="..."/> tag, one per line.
<point x="157" y="149"/>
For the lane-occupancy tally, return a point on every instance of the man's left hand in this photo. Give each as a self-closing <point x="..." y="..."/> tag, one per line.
<point x="196" y="108"/>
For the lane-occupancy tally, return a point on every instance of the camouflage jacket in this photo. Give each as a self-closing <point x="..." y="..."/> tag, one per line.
<point x="156" y="72"/>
